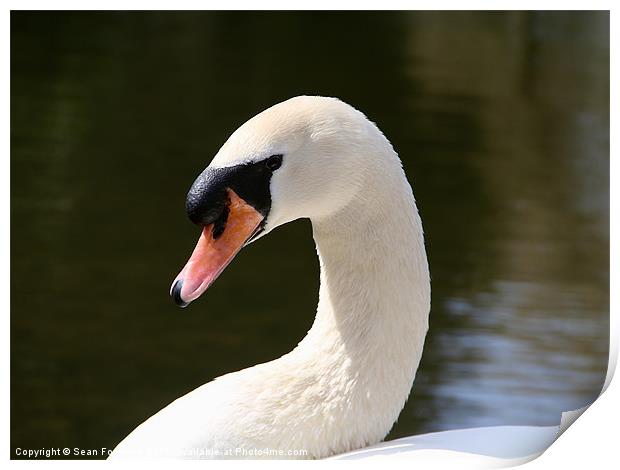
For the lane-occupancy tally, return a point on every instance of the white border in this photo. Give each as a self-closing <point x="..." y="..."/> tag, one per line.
<point x="590" y="442"/>
<point x="309" y="5"/>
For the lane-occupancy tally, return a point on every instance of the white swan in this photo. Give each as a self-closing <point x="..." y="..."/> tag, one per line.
<point x="344" y="385"/>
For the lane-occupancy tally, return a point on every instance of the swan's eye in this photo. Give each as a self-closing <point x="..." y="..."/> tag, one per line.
<point x="274" y="162"/>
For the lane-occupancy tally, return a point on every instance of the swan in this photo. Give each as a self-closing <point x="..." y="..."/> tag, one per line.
<point x="344" y="385"/>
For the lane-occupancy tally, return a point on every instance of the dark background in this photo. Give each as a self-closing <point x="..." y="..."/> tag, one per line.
<point x="502" y="123"/>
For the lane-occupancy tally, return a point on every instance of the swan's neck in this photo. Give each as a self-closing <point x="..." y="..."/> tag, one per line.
<point x="366" y="342"/>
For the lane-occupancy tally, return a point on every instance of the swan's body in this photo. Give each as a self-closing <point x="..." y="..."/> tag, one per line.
<point x="344" y="385"/>
<point x="476" y="448"/>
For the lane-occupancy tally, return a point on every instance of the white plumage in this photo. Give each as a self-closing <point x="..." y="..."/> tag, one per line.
<point x="344" y="385"/>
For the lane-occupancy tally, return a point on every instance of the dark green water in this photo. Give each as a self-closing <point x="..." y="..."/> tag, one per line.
<point x="502" y="123"/>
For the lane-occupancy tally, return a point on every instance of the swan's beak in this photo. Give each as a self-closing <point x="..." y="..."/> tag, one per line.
<point x="215" y="249"/>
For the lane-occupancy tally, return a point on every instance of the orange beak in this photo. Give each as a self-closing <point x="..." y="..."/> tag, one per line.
<point x="215" y="249"/>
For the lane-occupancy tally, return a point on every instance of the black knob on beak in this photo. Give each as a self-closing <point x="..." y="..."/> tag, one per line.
<point x="207" y="199"/>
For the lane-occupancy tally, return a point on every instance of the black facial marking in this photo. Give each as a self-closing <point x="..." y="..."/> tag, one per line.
<point x="220" y="223"/>
<point x="207" y="200"/>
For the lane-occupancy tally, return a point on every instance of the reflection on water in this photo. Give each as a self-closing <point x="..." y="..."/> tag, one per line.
<point x="502" y="122"/>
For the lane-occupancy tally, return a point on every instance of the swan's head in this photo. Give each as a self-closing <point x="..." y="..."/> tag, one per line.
<point x="304" y="157"/>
